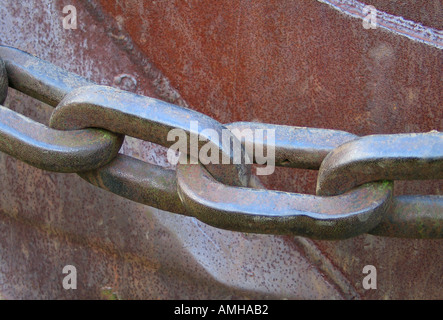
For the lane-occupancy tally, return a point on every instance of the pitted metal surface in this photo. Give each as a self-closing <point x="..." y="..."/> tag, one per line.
<point x="45" y="227"/>
<point x="97" y="107"/>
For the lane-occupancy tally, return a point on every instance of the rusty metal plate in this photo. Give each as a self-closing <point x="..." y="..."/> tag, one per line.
<point x="300" y="63"/>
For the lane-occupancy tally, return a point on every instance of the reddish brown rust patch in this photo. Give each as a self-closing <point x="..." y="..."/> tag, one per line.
<point x="286" y="62"/>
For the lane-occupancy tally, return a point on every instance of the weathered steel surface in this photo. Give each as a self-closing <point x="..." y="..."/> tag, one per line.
<point x="295" y="63"/>
<point x="427" y="13"/>
<point x="35" y="143"/>
<point x="263" y="61"/>
<point x="276" y="212"/>
<point x="39" y="78"/>
<point x="411" y="156"/>
<point x="139" y="181"/>
<point x="297" y="147"/>
<point x="148" y="119"/>
<point x="54" y="150"/>
<point x="157" y="186"/>
<point x="413" y="217"/>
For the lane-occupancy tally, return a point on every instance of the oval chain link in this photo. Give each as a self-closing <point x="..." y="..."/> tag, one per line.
<point x="349" y="165"/>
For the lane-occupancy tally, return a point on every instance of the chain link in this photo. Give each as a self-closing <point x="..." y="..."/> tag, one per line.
<point x="147" y="119"/>
<point x="54" y="150"/>
<point x="354" y="187"/>
<point x="415" y="156"/>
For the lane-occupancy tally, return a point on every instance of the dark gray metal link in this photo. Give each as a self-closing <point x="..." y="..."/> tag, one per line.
<point x="46" y="148"/>
<point x="410" y="156"/>
<point x="353" y="194"/>
<point x="149" y="119"/>
<point x="54" y="150"/>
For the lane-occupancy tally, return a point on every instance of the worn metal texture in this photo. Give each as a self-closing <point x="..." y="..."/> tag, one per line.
<point x="157" y="186"/>
<point x="267" y="211"/>
<point x="39" y="78"/>
<point x="297" y="147"/>
<point x="413" y="217"/>
<point x="274" y="54"/>
<point x="139" y="181"/>
<point x="299" y="63"/>
<point x="411" y="156"/>
<point x="38" y="145"/>
<point x="54" y="150"/>
<point x="276" y="212"/>
<point x="151" y="120"/>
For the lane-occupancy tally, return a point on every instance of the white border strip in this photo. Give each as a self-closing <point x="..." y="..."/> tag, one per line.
<point x="395" y="24"/>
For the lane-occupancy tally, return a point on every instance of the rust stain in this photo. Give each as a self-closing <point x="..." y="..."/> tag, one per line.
<point x="286" y="62"/>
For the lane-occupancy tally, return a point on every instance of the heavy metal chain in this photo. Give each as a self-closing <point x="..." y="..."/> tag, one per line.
<point x="354" y="186"/>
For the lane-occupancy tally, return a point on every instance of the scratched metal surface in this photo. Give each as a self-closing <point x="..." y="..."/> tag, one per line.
<point x="303" y="63"/>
